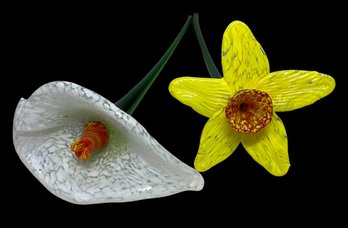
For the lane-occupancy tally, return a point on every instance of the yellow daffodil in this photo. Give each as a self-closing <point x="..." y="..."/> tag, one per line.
<point x="241" y="106"/>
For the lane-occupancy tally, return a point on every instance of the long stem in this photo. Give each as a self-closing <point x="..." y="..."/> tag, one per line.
<point x="211" y="67"/>
<point x="131" y="100"/>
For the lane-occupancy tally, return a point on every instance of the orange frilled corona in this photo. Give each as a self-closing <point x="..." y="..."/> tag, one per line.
<point x="249" y="111"/>
<point x="94" y="136"/>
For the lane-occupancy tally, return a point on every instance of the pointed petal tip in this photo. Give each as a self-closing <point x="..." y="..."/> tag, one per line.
<point x="202" y="165"/>
<point x="172" y="86"/>
<point x="331" y="83"/>
<point x="197" y="183"/>
<point x="280" y="171"/>
<point x="236" y="22"/>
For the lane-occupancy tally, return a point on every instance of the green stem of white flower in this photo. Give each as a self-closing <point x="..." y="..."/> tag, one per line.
<point x="211" y="67"/>
<point x="131" y="100"/>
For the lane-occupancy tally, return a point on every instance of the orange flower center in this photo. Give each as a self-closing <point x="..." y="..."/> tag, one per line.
<point x="249" y="111"/>
<point x="94" y="136"/>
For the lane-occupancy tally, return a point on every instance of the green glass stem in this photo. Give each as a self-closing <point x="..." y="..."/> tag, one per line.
<point x="211" y="67"/>
<point x="131" y="100"/>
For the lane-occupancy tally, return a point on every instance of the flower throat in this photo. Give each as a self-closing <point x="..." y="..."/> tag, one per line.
<point x="249" y="111"/>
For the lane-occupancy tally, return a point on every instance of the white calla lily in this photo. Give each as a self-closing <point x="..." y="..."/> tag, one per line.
<point x="132" y="166"/>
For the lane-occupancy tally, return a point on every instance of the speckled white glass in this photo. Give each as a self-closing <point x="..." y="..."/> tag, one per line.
<point x="133" y="165"/>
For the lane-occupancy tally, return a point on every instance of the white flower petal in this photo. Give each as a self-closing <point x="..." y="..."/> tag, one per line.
<point x="133" y="165"/>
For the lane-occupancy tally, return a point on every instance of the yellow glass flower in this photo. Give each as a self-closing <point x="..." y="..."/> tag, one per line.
<point x="241" y="106"/>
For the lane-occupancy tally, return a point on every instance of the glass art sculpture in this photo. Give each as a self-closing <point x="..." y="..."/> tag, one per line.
<point x="242" y="105"/>
<point x="86" y="150"/>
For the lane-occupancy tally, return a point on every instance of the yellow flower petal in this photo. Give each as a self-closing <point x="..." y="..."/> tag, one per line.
<point x="218" y="141"/>
<point x="244" y="61"/>
<point x="205" y="95"/>
<point x="293" y="89"/>
<point x="269" y="147"/>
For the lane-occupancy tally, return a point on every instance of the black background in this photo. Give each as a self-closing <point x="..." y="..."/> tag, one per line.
<point x="109" y="48"/>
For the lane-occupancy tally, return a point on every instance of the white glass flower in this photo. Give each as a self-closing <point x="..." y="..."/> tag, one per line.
<point x="132" y="166"/>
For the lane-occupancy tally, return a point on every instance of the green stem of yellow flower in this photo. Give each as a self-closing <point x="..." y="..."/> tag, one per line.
<point x="211" y="67"/>
<point x="131" y="100"/>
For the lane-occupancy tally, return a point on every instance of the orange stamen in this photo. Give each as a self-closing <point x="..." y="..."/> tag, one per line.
<point x="94" y="136"/>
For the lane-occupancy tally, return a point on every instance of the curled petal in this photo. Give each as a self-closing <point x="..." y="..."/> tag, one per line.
<point x="293" y="89"/>
<point x="269" y="147"/>
<point x="244" y="61"/>
<point x="218" y="142"/>
<point x="133" y="165"/>
<point x="205" y="95"/>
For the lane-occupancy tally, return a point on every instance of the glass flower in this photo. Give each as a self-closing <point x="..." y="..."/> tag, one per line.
<point x="242" y="105"/>
<point x="129" y="165"/>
